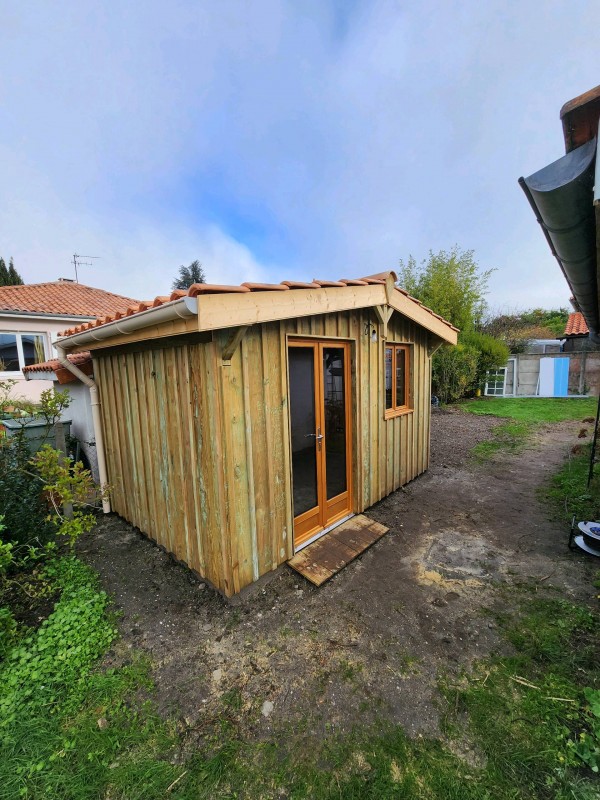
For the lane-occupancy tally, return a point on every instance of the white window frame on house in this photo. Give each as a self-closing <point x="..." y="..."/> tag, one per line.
<point x="20" y="354"/>
<point x="492" y="386"/>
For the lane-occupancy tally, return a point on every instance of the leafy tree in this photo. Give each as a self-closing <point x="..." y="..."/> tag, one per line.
<point x="9" y="275"/>
<point x="491" y="353"/>
<point x="450" y="283"/>
<point x="14" y="279"/>
<point x="518" y="328"/>
<point x="189" y="275"/>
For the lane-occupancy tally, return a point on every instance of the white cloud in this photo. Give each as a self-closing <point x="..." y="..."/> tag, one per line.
<point x="403" y="129"/>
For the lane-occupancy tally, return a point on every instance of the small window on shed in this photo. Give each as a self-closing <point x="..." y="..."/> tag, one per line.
<point x="397" y="379"/>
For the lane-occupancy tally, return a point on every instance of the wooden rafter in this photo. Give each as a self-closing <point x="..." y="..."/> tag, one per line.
<point x="232" y="344"/>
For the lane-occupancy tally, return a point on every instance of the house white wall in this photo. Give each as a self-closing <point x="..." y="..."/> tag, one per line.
<point x="49" y="328"/>
<point x="80" y="414"/>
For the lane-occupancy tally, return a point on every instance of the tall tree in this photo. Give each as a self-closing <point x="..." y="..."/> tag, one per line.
<point x="189" y="275"/>
<point x="3" y="273"/>
<point x="14" y="279"/>
<point x="451" y="283"/>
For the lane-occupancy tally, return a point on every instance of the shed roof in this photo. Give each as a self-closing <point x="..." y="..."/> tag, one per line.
<point x="576" y="325"/>
<point x="241" y="298"/>
<point x="62" y="298"/>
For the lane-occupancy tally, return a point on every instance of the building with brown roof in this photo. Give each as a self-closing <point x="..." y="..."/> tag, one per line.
<point x="31" y="316"/>
<point x="238" y="424"/>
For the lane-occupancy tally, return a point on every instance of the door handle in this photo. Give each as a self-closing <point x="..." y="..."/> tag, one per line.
<point x="317" y="436"/>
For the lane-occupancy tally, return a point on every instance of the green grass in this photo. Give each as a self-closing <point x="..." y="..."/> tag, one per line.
<point x="526" y="711"/>
<point x="525" y="414"/>
<point x="74" y="731"/>
<point x="568" y="491"/>
<point x="510" y="437"/>
<point x="534" y="409"/>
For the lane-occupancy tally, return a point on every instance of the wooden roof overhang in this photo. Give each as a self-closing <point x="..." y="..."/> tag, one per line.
<point x="241" y="307"/>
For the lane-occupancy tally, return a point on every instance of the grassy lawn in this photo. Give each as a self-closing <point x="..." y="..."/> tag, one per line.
<point x="568" y="490"/>
<point x="72" y="730"/>
<point x="534" y="409"/>
<point x="523" y="415"/>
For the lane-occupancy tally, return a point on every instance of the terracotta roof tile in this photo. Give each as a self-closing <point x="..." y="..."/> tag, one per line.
<point x="300" y="285"/>
<point x="81" y="360"/>
<point x="576" y="325"/>
<point x="206" y="288"/>
<point x="327" y="284"/>
<point x="62" y="297"/>
<point x="214" y="288"/>
<point x="266" y="287"/>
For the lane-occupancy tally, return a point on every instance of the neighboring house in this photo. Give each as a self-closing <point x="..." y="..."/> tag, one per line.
<point x="79" y="411"/>
<point x="551" y="367"/>
<point x="242" y="422"/>
<point x="31" y="316"/>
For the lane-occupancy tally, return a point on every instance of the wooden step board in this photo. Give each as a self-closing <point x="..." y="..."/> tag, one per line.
<point x="324" y="558"/>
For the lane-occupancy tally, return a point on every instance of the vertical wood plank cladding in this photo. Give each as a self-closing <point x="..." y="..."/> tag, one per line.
<point x="367" y="400"/>
<point x="215" y="513"/>
<point x="274" y="378"/>
<point x="254" y="428"/>
<point x="121" y="484"/>
<point x="191" y="465"/>
<point x="237" y="463"/>
<point x="284" y="547"/>
<point x="199" y="453"/>
<point x="131" y="402"/>
<point x="147" y="434"/>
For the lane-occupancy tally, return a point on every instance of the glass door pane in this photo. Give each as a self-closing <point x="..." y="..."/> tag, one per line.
<point x="334" y="393"/>
<point x="304" y="428"/>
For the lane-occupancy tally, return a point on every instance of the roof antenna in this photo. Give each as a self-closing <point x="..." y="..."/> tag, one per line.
<point x="77" y="262"/>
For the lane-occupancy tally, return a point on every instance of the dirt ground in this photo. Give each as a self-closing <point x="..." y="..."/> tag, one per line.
<point x="371" y="644"/>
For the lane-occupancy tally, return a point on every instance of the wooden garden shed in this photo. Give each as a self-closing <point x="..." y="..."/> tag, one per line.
<point x="242" y="422"/>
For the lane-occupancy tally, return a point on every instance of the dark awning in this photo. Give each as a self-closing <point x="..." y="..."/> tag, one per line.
<point x="562" y="197"/>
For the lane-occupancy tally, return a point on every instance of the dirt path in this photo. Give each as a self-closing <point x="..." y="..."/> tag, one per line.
<point x="370" y="644"/>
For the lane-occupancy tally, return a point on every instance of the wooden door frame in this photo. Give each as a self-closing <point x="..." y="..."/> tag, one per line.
<point x="325" y="513"/>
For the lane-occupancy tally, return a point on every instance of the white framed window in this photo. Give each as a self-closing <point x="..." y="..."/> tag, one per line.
<point x="18" y="350"/>
<point x="495" y="382"/>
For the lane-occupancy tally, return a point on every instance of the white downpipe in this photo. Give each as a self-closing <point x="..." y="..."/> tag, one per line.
<point x="96" y="419"/>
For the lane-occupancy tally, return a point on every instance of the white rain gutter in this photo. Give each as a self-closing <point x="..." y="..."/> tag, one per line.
<point x="185" y="307"/>
<point x="182" y="308"/>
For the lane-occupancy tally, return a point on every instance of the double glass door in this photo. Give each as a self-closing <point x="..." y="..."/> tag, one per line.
<point x="320" y="428"/>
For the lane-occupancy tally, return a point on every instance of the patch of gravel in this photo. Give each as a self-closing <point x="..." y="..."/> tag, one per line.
<point x="454" y="433"/>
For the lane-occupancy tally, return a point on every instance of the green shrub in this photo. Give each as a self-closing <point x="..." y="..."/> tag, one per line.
<point x="454" y="372"/>
<point x="51" y="665"/>
<point x="492" y="353"/>
<point x="21" y="497"/>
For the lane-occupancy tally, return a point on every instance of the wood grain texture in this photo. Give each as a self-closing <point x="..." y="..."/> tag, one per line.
<point x="199" y="454"/>
<point x="321" y="560"/>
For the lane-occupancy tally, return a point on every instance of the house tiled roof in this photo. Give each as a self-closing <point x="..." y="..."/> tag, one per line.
<point x="81" y="360"/>
<point x="62" y="297"/>
<point x="199" y="289"/>
<point x="576" y="325"/>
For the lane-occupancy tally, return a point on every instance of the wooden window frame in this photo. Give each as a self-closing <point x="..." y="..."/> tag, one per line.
<point x="405" y="407"/>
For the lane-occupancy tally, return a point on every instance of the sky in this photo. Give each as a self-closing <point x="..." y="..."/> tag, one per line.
<point x="284" y="140"/>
